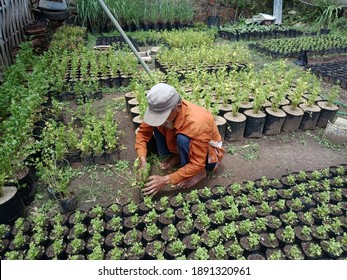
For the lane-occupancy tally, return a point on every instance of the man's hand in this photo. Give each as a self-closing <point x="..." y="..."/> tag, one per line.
<point x="155" y="184"/>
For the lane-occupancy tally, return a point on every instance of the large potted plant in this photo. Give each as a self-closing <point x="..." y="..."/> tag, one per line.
<point x="58" y="180"/>
<point x="328" y="108"/>
<point x="11" y="203"/>
<point x="213" y="20"/>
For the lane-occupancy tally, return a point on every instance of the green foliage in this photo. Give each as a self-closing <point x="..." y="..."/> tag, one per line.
<point x="201" y="254"/>
<point x="288" y="234"/>
<point x="177" y="247"/>
<point x="329" y="16"/>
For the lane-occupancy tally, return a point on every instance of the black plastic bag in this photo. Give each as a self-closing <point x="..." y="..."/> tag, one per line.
<point x="302" y="59"/>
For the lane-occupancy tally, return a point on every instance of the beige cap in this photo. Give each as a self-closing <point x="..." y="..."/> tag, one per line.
<point x="162" y="98"/>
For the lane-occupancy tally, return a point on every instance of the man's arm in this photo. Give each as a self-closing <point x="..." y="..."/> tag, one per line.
<point x="144" y="134"/>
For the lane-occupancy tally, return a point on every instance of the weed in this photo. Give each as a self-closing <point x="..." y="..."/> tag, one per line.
<point x="320" y="138"/>
<point x="230" y="149"/>
<point x="226" y="174"/>
<point x="303" y="142"/>
<point x="121" y="166"/>
<point x="250" y="151"/>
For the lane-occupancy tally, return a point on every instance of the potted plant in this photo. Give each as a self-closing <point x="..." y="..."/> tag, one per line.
<point x="234" y="189"/>
<point x="116" y="254"/>
<point x="234" y="250"/>
<point x="275" y="254"/>
<point x="213" y="20"/>
<point x="133" y="221"/>
<point x="328" y="108"/>
<point x="96" y="238"/>
<point x="56" y="250"/>
<point x="97" y="211"/>
<point x="132" y="236"/>
<point x="218" y="253"/>
<point x="177" y="200"/>
<point x="58" y="231"/>
<point x="14" y="255"/>
<point x="11" y="203"/>
<point x="306" y="218"/>
<point x="232" y="212"/>
<point x="202" y="222"/>
<point x="249" y="212"/>
<point x="185" y="226"/>
<point x="293" y="252"/>
<point x="250" y="242"/>
<point x="200" y="253"/>
<point x="155" y="249"/>
<point x="320" y="232"/>
<point x="97" y="253"/>
<point x="150" y="232"/>
<point x="303" y="233"/>
<point x="213" y="205"/>
<point x="130" y="208"/>
<point x="244" y="227"/>
<point x="167" y="217"/>
<point x="312" y="250"/>
<point x="174" y="249"/>
<point x="114" y="224"/>
<point x="58" y="180"/>
<point x="289" y="218"/>
<point x="113" y="240"/>
<point x="264" y="209"/>
<point x="75" y="247"/>
<point x="111" y="211"/>
<point x="259" y="225"/>
<point x="151" y="217"/>
<point x="146" y="205"/>
<point x="192" y="241"/>
<point x="286" y="235"/>
<point x="169" y="233"/>
<point x="270" y="194"/>
<point x="35" y="252"/>
<point x="77" y="216"/>
<point x="295" y="205"/>
<point x="162" y="204"/>
<point x="279" y="206"/>
<point x="205" y="194"/>
<point x="199" y="208"/>
<point x="273" y="223"/>
<point x="269" y="240"/>
<point x="192" y="197"/>
<point x="211" y="238"/>
<point x="183" y="212"/>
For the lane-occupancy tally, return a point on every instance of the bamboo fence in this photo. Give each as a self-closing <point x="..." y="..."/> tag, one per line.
<point x="14" y="16"/>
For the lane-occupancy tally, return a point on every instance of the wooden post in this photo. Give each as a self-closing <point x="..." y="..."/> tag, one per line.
<point x="277" y="11"/>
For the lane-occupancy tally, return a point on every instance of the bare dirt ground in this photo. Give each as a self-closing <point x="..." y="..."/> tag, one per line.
<point x="248" y="159"/>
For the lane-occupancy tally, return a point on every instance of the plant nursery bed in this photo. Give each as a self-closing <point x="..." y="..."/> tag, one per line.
<point x="288" y="241"/>
<point x="333" y="72"/>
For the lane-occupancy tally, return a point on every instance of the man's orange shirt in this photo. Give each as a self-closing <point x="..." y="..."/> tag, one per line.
<point x="196" y="123"/>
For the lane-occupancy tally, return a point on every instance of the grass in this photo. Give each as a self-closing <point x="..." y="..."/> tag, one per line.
<point x="250" y="151"/>
<point x="230" y="149"/>
<point x="319" y="137"/>
<point x="227" y="174"/>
